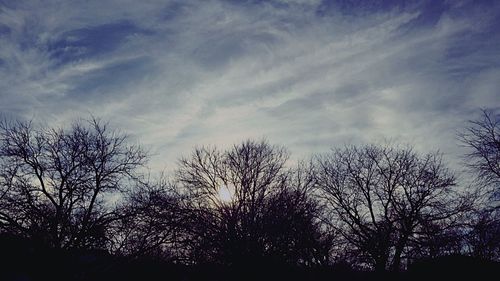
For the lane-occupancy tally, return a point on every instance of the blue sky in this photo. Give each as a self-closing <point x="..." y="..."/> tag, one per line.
<point x="306" y="74"/>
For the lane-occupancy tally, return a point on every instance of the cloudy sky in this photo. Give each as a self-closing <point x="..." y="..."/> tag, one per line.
<point x="308" y="74"/>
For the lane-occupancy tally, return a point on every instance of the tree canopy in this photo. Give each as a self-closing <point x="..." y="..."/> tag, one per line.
<point x="374" y="206"/>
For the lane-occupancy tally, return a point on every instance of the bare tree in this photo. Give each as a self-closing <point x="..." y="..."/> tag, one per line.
<point x="58" y="184"/>
<point x="381" y="197"/>
<point x="482" y="138"/>
<point x="262" y="216"/>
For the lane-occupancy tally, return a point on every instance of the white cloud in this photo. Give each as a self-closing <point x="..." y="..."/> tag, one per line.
<point x="187" y="73"/>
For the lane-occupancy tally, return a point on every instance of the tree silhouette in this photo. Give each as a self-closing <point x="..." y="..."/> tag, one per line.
<point x="482" y="138"/>
<point x="77" y="195"/>
<point x="381" y="197"/>
<point x="484" y="235"/>
<point x="150" y="224"/>
<point x="267" y="217"/>
<point x="56" y="184"/>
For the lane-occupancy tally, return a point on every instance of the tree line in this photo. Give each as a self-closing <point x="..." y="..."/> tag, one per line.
<point x="375" y="206"/>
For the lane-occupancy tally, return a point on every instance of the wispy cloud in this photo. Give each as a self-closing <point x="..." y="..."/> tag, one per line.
<point x="307" y="74"/>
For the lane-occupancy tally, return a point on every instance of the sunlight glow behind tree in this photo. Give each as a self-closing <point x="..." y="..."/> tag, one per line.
<point x="226" y="193"/>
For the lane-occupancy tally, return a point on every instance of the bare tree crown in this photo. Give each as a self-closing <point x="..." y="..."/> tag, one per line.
<point x="482" y="138"/>
<point x="58" y="178"/>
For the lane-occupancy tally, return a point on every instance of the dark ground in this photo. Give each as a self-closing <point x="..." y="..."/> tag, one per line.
<point x="26" y="260"/>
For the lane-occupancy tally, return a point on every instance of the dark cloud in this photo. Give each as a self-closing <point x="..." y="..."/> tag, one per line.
<point x="91" y="42"/>
<point x="112" y="81"/>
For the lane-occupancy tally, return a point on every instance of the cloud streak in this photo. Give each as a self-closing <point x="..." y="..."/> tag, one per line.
<point x="307" y="74"/>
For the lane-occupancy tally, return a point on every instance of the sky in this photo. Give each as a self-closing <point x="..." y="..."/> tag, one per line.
<point x="306" y="74"/>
